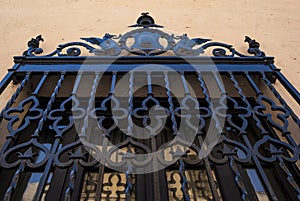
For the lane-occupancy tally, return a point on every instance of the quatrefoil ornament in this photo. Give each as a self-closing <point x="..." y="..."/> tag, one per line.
<point x="243" y="113"/>
<point x="34" y="113"/>
<point x="59" y="115"/>
<point x="152" y="114"/>
<point x="109" y="109"/>
<point x="191" y="109"/>
<point x="282" y="113"/>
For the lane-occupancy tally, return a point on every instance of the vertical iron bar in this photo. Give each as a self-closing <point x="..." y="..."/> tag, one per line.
<point x="171" y="104"/>
<point x="11" y="137"/>
<point x="232" y="164"/>
<point x="259" y="93"/>
<point x="40" y="84"/>
<point x="254" y="86"/>
<point x="149" y="83"/>
<point x="43" y="181"/>
<point x="72" y="180"/>
<point x="49" y="106"/>
<point x="14" y="182"/>
<point x="184" y="182"/>
<point x="289" y="177"/>
<point x="100" y="175"/>
<point x="153" y="146"/>
<point x="82" y="136"/>
<point x="15" y="95"/>
<point x="263" y="132"/>
<point x="220" y="84"/>
<point x="248" y="105"/>
<point x="129" y="135"/>
<point x="201" y="142"/>
<point x="113" y="83"/>
<point x="130" y="105"/>
<point x="209" y="174"/>
<point x="238" y="179"/>
<point x="128" y="188"/>
<point x="211" y="106"/>
<point x="281" y="100"/>
<point x="40" y="127"/>
<point x="90" y="107"/>
<point x="35" y="136"/>
<point x="105" y="143"/>
<point x="76" y="84"/>
<point x="185" y="86"/>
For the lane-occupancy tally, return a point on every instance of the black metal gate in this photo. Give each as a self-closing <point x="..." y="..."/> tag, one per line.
<point x="86" y="127"/>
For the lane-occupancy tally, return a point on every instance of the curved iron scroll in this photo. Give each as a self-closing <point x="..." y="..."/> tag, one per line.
<point x="147" y="41"/>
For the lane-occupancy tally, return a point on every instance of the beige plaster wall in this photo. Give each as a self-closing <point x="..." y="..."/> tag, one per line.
<point x="274" y="23"/>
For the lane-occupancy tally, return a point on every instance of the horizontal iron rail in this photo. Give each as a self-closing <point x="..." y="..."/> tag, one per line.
<point x="123" y="64"/>
<point x="139" y="59"/>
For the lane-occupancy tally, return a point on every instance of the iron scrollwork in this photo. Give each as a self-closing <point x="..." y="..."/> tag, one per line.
<point x="34" y="113"/>
<point x="147" y="41"/>
<point x="280" y="151"/>
<point x="107" y="45"/>
<point x="262" y="116"/>
<point x="34" y="46"/>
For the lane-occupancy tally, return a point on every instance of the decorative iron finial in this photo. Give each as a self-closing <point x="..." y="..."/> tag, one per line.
<point x="146" y="21"/>
<point x="35" y="42"/>
<point x="254" y="47"/>
<point x="33" y="46"/>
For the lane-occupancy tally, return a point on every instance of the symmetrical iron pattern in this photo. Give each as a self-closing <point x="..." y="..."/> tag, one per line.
<point x="147" y="42"/>
<point x="71" y="134"/>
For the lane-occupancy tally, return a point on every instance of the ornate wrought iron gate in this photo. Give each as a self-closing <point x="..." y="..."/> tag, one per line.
<point x="86" y="127"/>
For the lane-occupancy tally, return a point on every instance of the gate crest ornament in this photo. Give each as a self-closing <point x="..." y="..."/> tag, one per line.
<point x="148" y="40"/>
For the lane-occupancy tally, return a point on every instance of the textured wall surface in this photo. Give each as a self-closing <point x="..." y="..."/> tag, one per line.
<point x="275" y="24"/>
